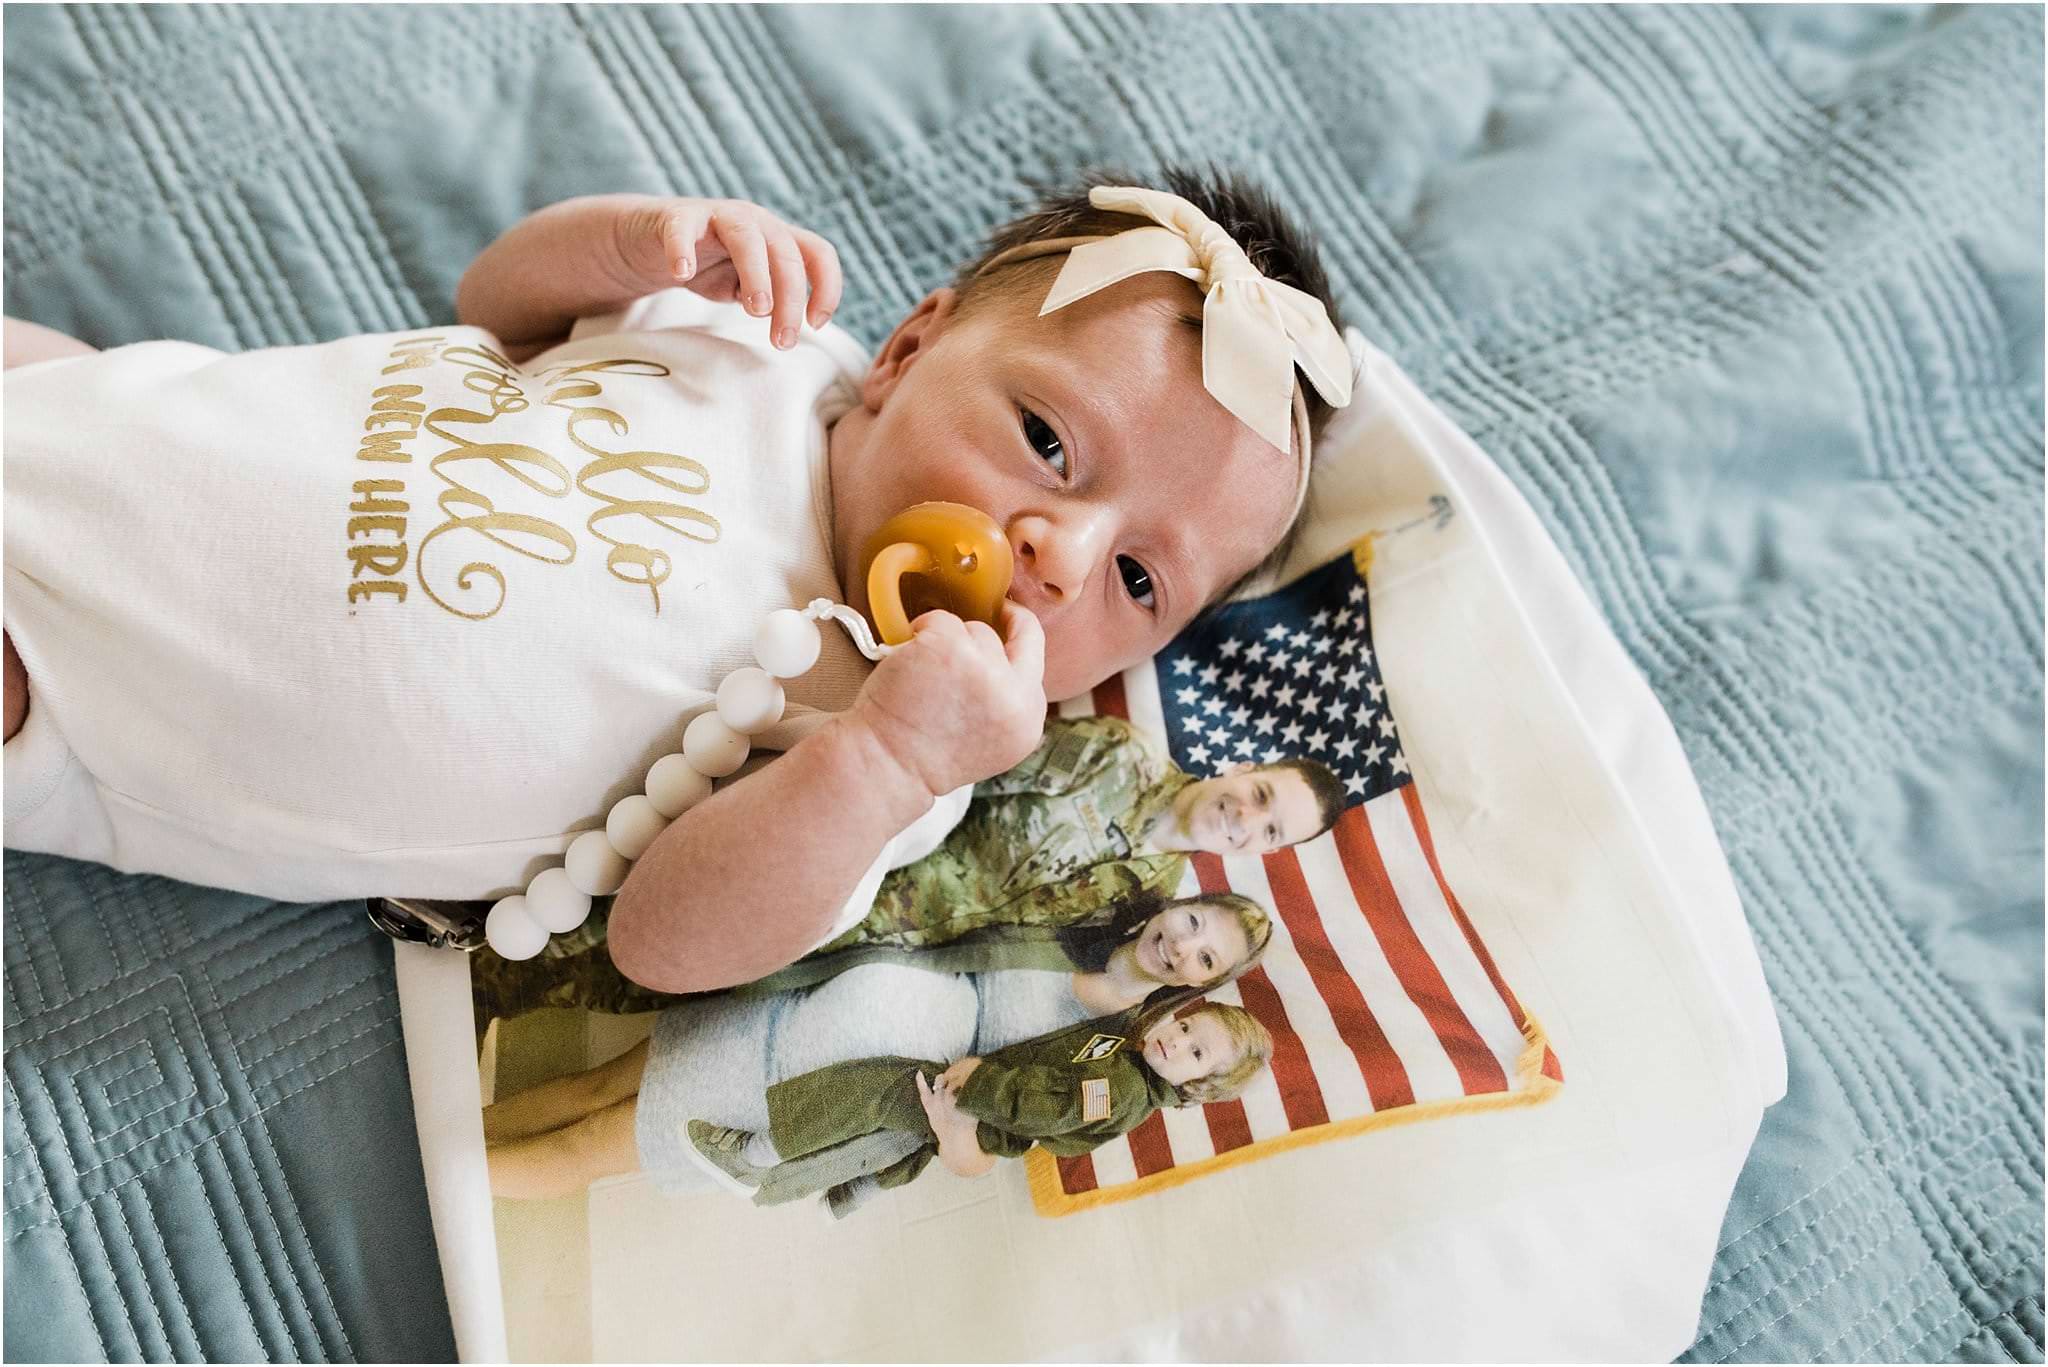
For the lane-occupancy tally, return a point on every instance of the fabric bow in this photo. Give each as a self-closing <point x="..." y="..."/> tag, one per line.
<point x="1255" y="331"/>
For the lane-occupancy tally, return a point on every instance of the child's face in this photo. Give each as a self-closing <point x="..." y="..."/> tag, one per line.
<point x="1130" y="497"/>
<point x="1191" y="944"/>
<point x="1192" y="1046"/>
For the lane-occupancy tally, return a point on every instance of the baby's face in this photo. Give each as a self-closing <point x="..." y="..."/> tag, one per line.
<point x="1129" y="496"/>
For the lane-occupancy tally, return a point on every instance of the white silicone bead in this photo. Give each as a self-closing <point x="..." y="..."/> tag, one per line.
<point x="594" y="866"/>
<point x="749" y="701"/>
<point x="512" y="931"/>
<point x="674" y="787"/>
<point x="713" y="748"/>
<point x="633" y="824"/>
<point x="555" y="902"/>
<point x="787" y="643"/>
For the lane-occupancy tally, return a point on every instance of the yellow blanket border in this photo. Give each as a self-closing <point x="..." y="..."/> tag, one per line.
<point x="1531" y="1087"/>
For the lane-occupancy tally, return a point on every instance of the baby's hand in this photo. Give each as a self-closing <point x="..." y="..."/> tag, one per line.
<point x="729" y="249"/>
<point x="956" y="704"/>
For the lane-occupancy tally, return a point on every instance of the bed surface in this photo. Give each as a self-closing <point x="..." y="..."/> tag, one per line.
<point x="1746" y="302"/>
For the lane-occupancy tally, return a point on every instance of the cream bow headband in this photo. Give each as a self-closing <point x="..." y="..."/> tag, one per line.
<point x="1255" y="331"/>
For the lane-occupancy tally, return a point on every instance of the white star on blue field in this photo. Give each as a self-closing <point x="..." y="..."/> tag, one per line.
<point x="1292" y="673"/>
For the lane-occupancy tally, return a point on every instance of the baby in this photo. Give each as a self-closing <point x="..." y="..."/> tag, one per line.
<point x="886" y="1118"/>
<point x="392" y="614"/>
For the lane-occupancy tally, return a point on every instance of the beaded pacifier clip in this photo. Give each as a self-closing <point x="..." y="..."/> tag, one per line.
<point x="931" y="556"/>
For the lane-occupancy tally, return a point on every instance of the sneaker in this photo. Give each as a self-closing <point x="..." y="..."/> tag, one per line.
<point x="720" y="1152"/>
<point x="844" y="1199"/>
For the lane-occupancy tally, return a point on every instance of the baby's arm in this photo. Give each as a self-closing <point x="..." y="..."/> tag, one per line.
<point x="752" y="878"/>
<point x="601" y="252"/>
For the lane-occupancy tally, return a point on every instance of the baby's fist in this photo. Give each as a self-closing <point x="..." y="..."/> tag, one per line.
<point x="957" y="703"/>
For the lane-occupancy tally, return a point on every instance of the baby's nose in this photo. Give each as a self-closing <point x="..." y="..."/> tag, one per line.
<point x="1056" y="555"/>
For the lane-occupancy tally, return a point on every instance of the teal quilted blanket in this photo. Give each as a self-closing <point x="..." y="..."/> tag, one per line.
<point x="1747" y="302"/>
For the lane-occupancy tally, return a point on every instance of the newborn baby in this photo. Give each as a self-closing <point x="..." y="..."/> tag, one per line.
<point x="393" y="613"/>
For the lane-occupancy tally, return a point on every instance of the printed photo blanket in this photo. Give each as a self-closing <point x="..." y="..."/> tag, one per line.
<point x="1384" y="1005"/>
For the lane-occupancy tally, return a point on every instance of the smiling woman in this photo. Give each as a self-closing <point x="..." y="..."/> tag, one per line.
<point x="1194" y="942"/>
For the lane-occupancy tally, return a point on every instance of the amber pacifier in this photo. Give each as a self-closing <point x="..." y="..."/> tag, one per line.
<point x="936" y="556"/>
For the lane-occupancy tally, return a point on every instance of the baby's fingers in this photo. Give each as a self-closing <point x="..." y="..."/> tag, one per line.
<point x="786" y="271"/>
<point x="821" y="262"/>
<point x="1024" y="641"/>
<point x="682" y="228"/>
<point x="748" y="248"/>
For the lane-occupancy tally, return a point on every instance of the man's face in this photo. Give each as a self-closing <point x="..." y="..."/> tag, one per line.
<point x="1129" y="496"/>
<point x="1248" y="811"/>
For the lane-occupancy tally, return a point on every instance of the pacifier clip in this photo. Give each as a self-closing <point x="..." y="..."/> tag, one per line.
<point x="931" y="556"/>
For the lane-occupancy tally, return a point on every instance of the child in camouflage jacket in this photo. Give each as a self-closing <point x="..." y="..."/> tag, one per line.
<point x="1068" y="1092"/>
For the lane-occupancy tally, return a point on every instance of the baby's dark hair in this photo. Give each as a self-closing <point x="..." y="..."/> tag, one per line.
<point x="1277" y="245"/>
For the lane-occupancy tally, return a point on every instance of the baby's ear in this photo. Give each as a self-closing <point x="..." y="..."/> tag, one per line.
<point x="911" y="339"/>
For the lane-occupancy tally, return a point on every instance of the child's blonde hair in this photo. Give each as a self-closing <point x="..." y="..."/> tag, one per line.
<point x="1254" y="1050"/>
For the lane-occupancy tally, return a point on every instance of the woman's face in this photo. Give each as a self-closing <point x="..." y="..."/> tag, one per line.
<point x="1190" y="944"/>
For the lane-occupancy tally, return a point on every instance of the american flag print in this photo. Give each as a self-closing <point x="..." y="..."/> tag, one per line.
<point x="1383" y="1002"/>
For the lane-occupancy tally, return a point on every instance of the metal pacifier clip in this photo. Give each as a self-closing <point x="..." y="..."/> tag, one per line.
<point x="930" y="556"/>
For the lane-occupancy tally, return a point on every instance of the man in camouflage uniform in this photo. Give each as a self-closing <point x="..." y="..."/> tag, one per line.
<point x="1054" y="841"/>
<point x="1095" y="815"/>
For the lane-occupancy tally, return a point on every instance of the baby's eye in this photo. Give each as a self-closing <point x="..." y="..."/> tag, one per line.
<point x="1208" y="963"/>
<point x="1198" y="1053"/>
<point x="1272" y="835"/>
<point x="1194" y="923"/>
<point x="1183" y="1027"/>
<point x="1137" y="582"/>
<point x="1044" y="441"/>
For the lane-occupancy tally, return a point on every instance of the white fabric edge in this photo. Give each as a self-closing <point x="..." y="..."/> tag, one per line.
<point x="1635" y="740"/>
<point x="1638" y="742"/>
<point x="1537" y="1277"/>
<point x="440" y="1062"/>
